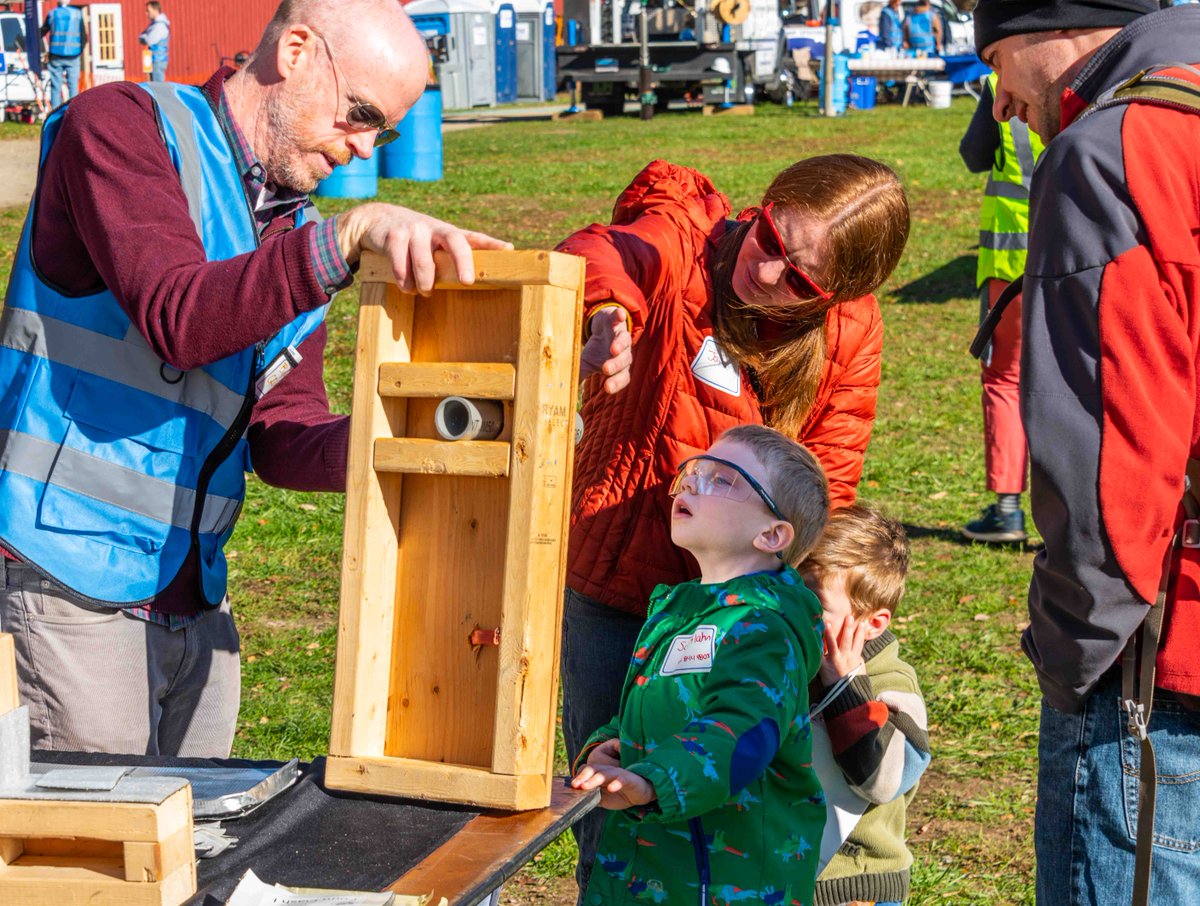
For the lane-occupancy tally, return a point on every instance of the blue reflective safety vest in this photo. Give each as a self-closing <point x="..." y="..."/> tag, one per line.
<point x="66" y="31"/>
<point x="920" y="32"/>
<point x="159" y="49"/>
<point x="891" y="30"/>
<point x="113" y="465"/>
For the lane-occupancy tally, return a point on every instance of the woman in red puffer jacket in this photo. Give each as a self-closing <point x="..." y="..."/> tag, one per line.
<point x="768" y="318"/>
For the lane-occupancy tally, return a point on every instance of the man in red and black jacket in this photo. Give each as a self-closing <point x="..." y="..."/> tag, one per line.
<point x="1110" y="403"/>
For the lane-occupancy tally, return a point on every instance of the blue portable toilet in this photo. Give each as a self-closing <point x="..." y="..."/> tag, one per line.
<point x="537" y="76"/>
<point x="549" y="36"/>
<point x="357" y="179"/>
<point x="468" y="29"/>
<point x="506" y="51"/>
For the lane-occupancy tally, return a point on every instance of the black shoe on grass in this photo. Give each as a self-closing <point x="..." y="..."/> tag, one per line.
<point x="994" y="527"/>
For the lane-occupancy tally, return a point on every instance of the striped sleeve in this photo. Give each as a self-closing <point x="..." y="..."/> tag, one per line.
<point x="880" y="742"/>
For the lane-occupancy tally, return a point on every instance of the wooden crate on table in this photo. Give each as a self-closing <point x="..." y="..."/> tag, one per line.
<point x="130" y="845"/>
<point x="454" y="552"/>
<point x="99" y="853"/>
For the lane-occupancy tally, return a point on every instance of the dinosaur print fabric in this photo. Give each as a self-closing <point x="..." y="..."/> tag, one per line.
<point x="714" y="713"/>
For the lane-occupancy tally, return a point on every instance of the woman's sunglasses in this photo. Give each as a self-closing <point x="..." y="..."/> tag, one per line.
<point x="361" y="116"/>
<point x="713" y="477"/>
<point x="802" y="285"/>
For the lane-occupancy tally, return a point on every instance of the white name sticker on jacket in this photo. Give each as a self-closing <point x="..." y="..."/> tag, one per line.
<point x="691" y="652"/>
<point x="711" y="366"/>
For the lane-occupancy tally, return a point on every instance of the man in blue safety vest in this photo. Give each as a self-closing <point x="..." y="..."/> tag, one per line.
<point x="163" y="334"/>
<point x="66" y="35"/>
<point x="157" y="37"/>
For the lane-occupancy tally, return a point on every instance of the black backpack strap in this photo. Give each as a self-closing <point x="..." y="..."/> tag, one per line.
<point x="989" y="324"/>
<point x="1137" y="686"/>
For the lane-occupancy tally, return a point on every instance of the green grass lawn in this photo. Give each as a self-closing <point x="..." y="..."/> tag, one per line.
<point x="534" y="182"/>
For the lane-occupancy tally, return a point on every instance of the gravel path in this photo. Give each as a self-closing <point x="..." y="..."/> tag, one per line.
<point x="18" y="171"/>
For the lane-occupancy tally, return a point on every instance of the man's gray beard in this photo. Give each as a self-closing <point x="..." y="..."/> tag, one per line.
<point x="284" y="143"/>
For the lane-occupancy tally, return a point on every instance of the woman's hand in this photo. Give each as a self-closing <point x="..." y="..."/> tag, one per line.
<point x="843" y="650"/>
<point x="619" y="788"/>
<point x="608" y="349"/>
<point x="608" y="753"/>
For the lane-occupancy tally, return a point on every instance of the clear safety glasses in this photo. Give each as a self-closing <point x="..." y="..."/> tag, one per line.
<point x="709" y="476"/>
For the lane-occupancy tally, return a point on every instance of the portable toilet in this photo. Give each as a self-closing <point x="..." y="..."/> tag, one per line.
<point x="536" y="59"/>
<point x="506" y="51"/>
<point x="467" y="29"/>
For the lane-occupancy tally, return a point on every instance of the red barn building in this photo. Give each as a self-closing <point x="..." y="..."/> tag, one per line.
<point x="204" y="34"/>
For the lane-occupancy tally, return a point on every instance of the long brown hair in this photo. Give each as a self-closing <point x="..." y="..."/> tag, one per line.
<point x="864" y="208"/>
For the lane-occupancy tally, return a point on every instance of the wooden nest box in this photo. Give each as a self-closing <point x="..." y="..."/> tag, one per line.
<point x="454" y="551"/>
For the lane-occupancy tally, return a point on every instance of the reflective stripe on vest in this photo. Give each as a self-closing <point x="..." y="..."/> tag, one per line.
<point x="66" y="31"/>
<point x="1004" y="214"/>
<point x="113" y="465"/>
<point x="920" y="31"/>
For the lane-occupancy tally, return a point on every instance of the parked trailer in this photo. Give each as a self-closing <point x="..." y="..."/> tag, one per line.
<point x="608" y="73"/>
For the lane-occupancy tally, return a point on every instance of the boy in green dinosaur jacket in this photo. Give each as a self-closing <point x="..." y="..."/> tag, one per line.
<point x="707" y="770"/>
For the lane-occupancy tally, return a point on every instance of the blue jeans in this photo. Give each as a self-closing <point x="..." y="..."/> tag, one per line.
<point x="158" y="71"/>
<point x="63" y="69"/>
<point x="1086" y="825"/>
<point x="597" y="644"/>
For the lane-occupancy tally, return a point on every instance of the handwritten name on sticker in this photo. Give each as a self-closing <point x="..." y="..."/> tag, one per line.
<point x="691" y="652"/>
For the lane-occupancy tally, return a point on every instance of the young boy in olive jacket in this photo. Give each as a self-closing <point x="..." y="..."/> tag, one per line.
<point x="871" y="704"/>
<point x="707" y="769"/>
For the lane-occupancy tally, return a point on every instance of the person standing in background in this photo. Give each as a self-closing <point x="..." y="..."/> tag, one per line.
<point x="891" y="25"/>
<point x="66" y="36"/>
<point x="157" y="37"/>
<point x="1009" y="150"/>
<point x="923" y="30"/>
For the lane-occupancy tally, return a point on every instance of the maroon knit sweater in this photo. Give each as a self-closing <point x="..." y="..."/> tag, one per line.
<point x="110" y="212"/>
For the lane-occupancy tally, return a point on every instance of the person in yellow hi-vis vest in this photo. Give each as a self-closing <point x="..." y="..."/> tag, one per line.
<point x="1009" y="150"/>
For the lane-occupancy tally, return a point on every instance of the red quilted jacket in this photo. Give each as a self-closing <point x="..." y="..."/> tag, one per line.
<point x="654" y="260"/>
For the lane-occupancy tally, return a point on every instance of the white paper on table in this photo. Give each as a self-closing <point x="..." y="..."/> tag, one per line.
<point x="253" y="891"/>
<point x="843" y="807"/>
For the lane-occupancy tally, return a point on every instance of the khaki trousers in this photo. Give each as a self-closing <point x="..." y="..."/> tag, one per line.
<point x="98" y="680"/>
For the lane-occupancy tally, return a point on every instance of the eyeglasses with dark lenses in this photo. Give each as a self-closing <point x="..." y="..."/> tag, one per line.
<point x="361" y="116"/>
<point x="713" y="477"/>
<point x="802" y="285"/>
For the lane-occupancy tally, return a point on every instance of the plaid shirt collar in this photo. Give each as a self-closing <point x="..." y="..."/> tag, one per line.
<point x="268" y="199"/>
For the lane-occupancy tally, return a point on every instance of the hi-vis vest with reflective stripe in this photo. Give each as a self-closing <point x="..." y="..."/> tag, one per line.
<point x="1004" y="216"/>
<point x="66" y="31"/>
<point x="113" y="464"/>
<point x="160" y="50"/>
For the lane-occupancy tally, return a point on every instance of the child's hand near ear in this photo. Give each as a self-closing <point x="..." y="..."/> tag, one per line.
<point x="619" y="788"/>
<point x="843" y="650"/>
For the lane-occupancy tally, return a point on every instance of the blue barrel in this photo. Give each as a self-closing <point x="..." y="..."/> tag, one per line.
<point x="862" y="92"/>
<point x="841" y="83"/>
<point x="417" y="153"/>
<point x="357" y="179"/>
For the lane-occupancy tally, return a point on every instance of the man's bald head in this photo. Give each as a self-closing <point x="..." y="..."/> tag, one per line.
<point x="372" y="39"/>
<point x="325" y="77"/>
